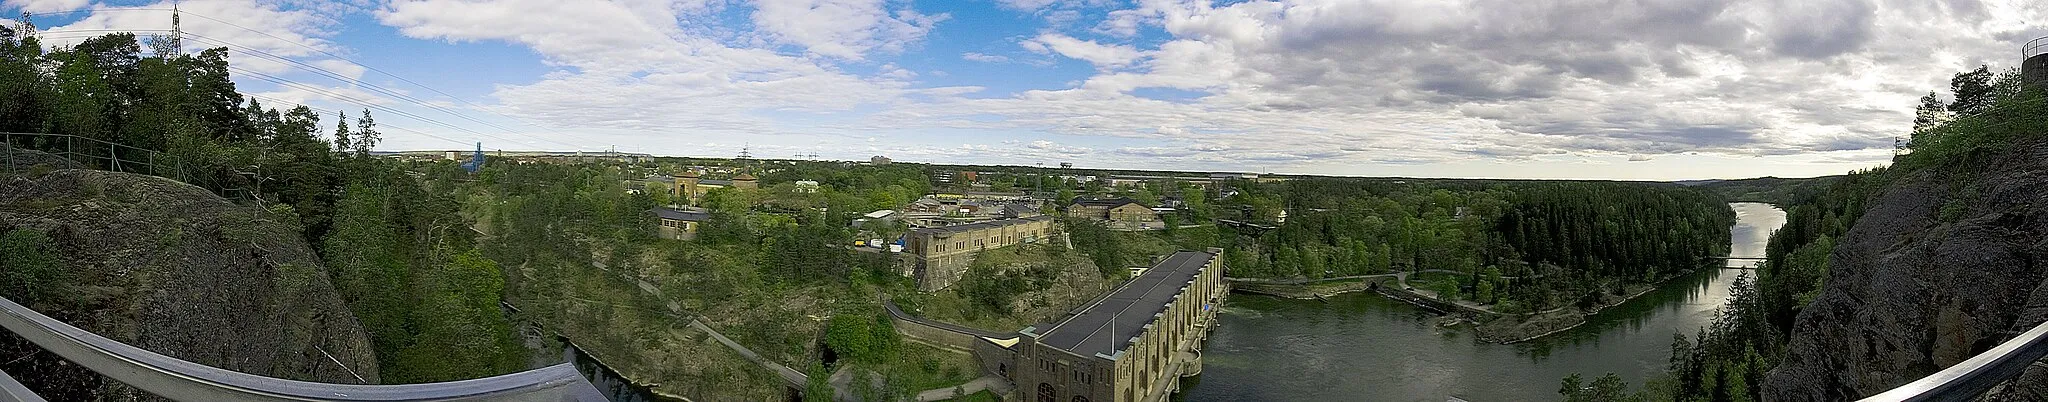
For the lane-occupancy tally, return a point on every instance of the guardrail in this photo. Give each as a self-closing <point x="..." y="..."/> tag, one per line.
<point x="187" y="381"/>
<point x="2034" y="48"/>
<point x="89" y="152"/>
<point x="1965" y="381"/>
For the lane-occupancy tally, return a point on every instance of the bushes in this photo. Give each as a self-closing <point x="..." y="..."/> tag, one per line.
<point x="30" y="270"/>
<point x="862" y="337"/>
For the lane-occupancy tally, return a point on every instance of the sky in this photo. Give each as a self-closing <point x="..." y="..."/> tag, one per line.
<point x="1592" y="89"/>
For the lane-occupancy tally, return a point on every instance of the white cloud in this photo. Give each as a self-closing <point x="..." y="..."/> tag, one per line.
<point x="246" y="24"/>
<point x="842" y="28"/>
<point x="343" y="68"/>
<point x="45" y="6"/>
<point x="1322" y="85"/>
<point x="1101" y="55"/>
<point x="985" y="58"/>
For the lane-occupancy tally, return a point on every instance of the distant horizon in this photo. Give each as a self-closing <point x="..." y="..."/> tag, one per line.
<point x="1079" y="167"/>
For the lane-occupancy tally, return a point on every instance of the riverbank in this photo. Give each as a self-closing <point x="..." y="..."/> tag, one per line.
<point x="1488" y="325"/>
<point x="1316" y="289"/>
<point x="1509" y="329"/>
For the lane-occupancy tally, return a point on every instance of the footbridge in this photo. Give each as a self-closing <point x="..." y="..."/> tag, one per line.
<point x="182" y="380"/>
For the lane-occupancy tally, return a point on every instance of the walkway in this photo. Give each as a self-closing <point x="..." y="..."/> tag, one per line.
<point x="794" y="378"/>
<point x="992" y="384"/>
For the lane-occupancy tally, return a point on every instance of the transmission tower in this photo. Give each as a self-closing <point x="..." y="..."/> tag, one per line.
<point x="177" y="31"/>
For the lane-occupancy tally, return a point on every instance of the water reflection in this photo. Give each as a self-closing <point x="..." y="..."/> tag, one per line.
<point x="1366" y="347"/>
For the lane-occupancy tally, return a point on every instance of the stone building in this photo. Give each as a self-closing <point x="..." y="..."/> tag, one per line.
<point x="1122" y="210"/>
<point x="679" y="225"/>
<point x="943" y="253"/>
<point x="1133" y="345"/>
<point x="691" y="186"/>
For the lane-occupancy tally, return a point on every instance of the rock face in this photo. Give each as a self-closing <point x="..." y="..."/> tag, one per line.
<point x="171" y="268"/>
<point x="24" y="160"/>
<point x="1944" y="264"/>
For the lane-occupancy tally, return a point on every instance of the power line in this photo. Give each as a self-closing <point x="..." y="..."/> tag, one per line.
<point x="337" y="76"/>
<point x="345" y="98"/>
<point x="373" y="87"/>
<point x="364" y="103"/>
<point x="474" y="106"/>
<point x="338" y="113"/>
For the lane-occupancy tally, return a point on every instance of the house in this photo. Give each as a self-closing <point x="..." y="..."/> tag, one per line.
<point x="944" y="253"/>
<point x="1114" y="210"/>
<point x="679" y="224"/>
<point x="806" y="186"/>
<point x="879" y="160"/>
<point x="691" y="186"/>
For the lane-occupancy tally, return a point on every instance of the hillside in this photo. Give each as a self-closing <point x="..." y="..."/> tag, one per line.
<point x="1945" y="263"/>
<point x="174" y="269"/>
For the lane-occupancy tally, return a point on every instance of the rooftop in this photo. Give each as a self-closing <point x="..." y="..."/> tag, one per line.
<point x="1107" y="202"/>
<point x="948" y="230"/>
<point x="1109" y="324"/>
<point x="687" y="216"/>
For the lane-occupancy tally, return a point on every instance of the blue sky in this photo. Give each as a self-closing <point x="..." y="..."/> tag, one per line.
<point x="1650" y="89"/>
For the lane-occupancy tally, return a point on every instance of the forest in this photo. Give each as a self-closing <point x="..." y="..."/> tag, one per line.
<point x="1519" y="245"/>
<point x="1726" y="361"/>
<point x="399" y="255"/>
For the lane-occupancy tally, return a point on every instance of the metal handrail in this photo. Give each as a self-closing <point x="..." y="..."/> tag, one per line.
<point x="11" y="390"/>
<point x="1964" y="381"/>
<point x="68" y="146"/>
<point x="2034" y="48"/>
<point x="187" y="381"/>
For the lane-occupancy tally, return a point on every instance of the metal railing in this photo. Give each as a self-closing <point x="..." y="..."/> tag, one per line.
<point x="88" y="152"/>
<point x="187" y="381"/>
<point x="2034" y="48"/>
<point x="1965" y="381"/>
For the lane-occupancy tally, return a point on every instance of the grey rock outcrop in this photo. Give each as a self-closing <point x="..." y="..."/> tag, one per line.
<point x="174" y="269"/>
<point x="1945" y="263"/>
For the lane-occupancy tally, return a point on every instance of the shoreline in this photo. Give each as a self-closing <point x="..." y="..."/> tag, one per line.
<point x="1494" y="330"/>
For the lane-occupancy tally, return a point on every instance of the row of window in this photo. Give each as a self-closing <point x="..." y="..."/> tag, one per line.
<point x="979" y="243"/>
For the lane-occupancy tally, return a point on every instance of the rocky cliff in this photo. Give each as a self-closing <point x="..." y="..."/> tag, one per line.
<point x="171" y="268"/>
<point x="1945" y="263"/>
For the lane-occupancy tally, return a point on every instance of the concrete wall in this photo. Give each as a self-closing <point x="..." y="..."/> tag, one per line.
<point x="2035" y="71"/>
<point x="943" y="257"/>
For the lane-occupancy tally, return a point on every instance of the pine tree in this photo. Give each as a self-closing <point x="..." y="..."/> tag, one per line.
<point x="1928" y="115"/>
<point x="341" y="140"/>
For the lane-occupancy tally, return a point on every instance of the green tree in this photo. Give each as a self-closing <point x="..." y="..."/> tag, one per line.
<point x="367" y="137"/>
<point x="1973" y="91"/>
<point x="1930" y="114"/>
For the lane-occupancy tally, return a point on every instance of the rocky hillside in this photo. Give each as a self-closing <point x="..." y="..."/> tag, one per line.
<point x="1945" y="263"/>
<point x="177" y="270"/>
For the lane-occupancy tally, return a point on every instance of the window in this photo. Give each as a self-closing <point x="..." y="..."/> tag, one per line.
<point x="1046" y="394"/>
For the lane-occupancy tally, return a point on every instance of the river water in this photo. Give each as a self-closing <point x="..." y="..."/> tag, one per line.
<point x="1364" y="347"/>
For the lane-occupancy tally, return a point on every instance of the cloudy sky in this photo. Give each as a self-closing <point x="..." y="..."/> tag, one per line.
<point x="1618" y="89"/>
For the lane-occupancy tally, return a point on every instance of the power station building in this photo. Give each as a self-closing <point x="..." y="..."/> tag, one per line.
<point x="1131" y="345"/>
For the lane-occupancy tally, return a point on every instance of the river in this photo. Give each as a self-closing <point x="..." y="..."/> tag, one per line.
<point x="1364" y="347"/>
